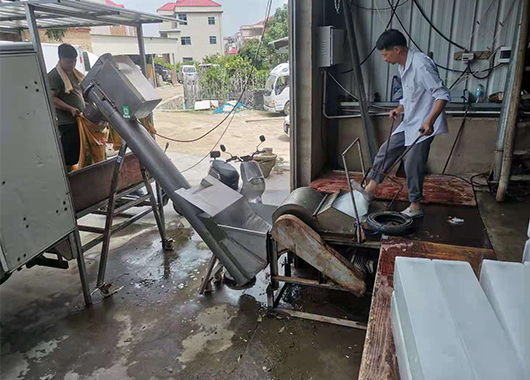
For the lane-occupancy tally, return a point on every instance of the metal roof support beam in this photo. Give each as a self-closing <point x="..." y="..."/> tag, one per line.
<point x="84" y="16"/>
<point x="141" y="49"/>
<point x="52" y="16"/>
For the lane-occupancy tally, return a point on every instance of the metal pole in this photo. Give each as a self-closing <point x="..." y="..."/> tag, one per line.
<point x="110" y="216"/>
<point x="508" y="105"/>
<point x="292" y="85"/>
<point x="75" y="241"/>
<point x="166" y="245"/>
<point x="141" y="49"/>
<point x="513" y="99"/>
<point x="166" y="174"/>
<point x="367" y="123"/>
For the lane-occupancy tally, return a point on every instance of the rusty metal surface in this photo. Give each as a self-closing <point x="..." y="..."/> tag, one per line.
<point x="290" y="232"/>
<point x="438" y="189"/>
<point x="379" y="358"/>
<point x="91" y="184"/>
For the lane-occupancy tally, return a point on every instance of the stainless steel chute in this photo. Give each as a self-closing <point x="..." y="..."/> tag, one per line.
<point x="122" y="94"/>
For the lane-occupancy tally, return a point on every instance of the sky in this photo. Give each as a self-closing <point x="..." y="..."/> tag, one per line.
<point x="235" y="12"/>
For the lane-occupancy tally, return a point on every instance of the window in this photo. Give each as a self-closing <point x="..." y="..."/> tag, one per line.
<point x="185" y="40"/>
<point x="187" y="59"/>
<point x="211" y="20"/>
<point x="183" y="17"/>
<point x="213" y="40"/>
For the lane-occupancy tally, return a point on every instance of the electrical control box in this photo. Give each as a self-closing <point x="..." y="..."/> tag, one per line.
<point x="330" y="46"/>
<point x="505" y="52"/>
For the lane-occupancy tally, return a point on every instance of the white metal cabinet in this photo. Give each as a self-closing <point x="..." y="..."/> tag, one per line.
<point x="35" y="205"/>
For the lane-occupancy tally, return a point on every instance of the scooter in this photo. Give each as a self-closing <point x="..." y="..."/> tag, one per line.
<point x="253" y="185"/>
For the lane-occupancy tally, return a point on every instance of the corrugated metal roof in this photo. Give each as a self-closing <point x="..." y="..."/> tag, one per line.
<point x="70" y="13"/>
<point x="478" y="25"/>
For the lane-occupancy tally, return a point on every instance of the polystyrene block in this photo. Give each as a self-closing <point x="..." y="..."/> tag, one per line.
<point x="489" y="350"/>
<point x="432" y="341"/>
<point x="526" y="251"/>
<point x="507" y="288"/>
<point x="399" y="342"/>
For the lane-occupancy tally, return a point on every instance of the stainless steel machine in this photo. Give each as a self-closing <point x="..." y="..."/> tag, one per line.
<point x="245" y="237"/>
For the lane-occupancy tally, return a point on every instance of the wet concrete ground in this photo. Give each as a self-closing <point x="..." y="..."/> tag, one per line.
<point x="158" y="327"/>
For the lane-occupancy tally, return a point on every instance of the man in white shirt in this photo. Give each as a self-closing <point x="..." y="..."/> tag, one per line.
<point x="423" y="103"/>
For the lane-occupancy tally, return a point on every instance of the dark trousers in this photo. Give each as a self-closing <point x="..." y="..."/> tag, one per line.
<point x="415" y="161"/>
<point x="70" y="142"/>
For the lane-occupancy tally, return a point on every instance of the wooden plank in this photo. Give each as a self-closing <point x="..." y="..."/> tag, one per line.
<point x="379" y="354"/>
<point x="439" y="189"/>
<point x="91" y="184"/>
<point x="322" y="318"/>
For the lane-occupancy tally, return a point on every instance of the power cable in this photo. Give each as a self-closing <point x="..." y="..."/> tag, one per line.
<point x="373" y="49"/>
<point x="381" y="9"/>
<point x="268" y="10"/>
<point x="435" y="28"/>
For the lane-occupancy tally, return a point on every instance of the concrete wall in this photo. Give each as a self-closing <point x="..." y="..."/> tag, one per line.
<point x="198" y="29"/>
<point x="473" y="152"/>
<point x="129" y="45"/>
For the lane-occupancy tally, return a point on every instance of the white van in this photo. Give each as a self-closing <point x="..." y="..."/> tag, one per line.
<point x="85" y="59"/>
<point x="276" y="96"/>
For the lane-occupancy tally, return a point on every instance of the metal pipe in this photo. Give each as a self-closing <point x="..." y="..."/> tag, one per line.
<point x="166" y="174"/>
<point x="514" y="83"/>
<point x="357" y="230"/>
<point x="367" y="124"/>
<point x="292" y="69"/>
<point x="141" y="49"/>
<point x="509" y="107"/>
<point x="110" y="215"/>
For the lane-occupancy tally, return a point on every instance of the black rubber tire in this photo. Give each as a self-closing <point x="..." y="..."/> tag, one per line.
<point x="389" y="222"/>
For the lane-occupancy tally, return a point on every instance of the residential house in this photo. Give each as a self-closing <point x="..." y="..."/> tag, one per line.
<point x="199" y="30"/>
<point x="114" y="30"/>
<point x="251" y="32"/>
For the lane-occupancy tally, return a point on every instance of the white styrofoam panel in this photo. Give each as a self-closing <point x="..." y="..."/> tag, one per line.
<point x="35" y="201"/>
<point x="507" y="290"/>
<point x="526" y="252"/>
<point x="399" y="342"/>
<point x="432" y="340"/>
<point x="489" y="350"/>
<point x="528" y="232"/>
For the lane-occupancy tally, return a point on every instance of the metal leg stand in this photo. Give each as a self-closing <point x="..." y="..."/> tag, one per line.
<point x="167" y="244"/>
<point x="108" y="222"/>
<point x="75" y="243"/>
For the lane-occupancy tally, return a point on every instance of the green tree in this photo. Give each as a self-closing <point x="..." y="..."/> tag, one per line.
<point x="268" y="58"/>
<point x="55" y="34"/>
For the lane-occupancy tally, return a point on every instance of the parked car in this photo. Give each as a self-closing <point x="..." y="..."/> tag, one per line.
<point x="188" y="71"/>
<point x="85" y="59"/>
<point x="163" y="71"/>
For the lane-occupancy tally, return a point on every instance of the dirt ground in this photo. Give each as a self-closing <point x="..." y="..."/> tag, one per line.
<point x="241" y="137"/>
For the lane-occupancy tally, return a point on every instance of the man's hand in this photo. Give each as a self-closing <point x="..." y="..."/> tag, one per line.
<point x="396" y="112"/>
<point x="75" y="112"/>
<point x="427" y="129"/>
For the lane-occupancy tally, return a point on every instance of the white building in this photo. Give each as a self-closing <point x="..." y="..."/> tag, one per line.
<point x="251" y="32"/>
<point x="200" y="30"/>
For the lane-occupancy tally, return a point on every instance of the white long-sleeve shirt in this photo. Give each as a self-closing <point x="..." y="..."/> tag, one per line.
<point x="422" y="87"/>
